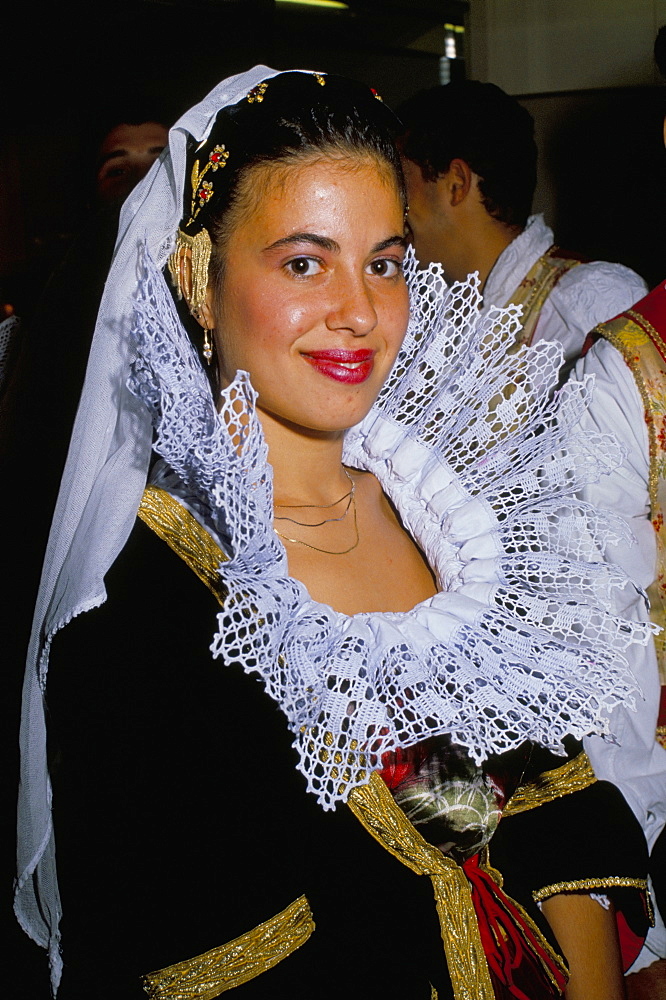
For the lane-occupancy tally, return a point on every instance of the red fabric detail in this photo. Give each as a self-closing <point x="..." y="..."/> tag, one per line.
<point x="661" y="721"/>
<point x="401" y="763"/>
<point x="631" y="943"/>
<point x="516" y="957"/>
<point x="589" y="342"/>
<point x="653" y="309"/>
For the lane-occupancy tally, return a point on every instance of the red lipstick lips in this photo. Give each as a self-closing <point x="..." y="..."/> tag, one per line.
<point x="350" y="367"/>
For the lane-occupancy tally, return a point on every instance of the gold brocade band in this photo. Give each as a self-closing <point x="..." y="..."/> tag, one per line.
<point x="534" y="289"/>
<point x="374" y="807"/>
<point x="573" y="776"/>
<point x="176" y="526"/>
<point x="592" y="884"/>
<point x="237" y="962"/>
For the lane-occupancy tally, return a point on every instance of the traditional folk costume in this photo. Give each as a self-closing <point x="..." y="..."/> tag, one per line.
<point x="627" y="357"/>
<point x="562" y="296"/>
<point x="199" y="847"/>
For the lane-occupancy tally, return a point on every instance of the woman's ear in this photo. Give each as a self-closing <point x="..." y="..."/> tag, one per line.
<point x="204" y="314"/>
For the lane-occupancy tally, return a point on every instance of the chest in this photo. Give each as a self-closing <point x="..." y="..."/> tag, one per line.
<point x="385" y="571"/>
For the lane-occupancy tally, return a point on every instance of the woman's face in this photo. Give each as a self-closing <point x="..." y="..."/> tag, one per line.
<point x="313" y="302"/>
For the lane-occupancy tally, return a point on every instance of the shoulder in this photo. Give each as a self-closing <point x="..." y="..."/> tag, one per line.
<point x="595" y="291"/>
<point x="611" y="373"/>
<point x="617" y="405"/>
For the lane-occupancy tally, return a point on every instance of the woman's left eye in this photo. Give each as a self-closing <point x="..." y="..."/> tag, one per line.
<point x="304" y="267"/>
<point x="385" y="267"/>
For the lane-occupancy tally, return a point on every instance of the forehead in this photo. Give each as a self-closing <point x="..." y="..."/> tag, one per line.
<point x="327" y="189"/>
<point x="134" y="137"/>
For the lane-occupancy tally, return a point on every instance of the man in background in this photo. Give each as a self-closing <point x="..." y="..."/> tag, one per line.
<point x="470" y="165"/>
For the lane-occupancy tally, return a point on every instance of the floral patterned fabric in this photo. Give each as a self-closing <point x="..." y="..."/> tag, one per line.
<point x="640" y="335"/>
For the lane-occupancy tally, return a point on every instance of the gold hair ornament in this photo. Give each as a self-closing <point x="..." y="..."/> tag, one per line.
<point x="202" y="191"/>
<point x="200" y="248"/>
<point x="199" y="245"/>
<point x="256" y="95"/>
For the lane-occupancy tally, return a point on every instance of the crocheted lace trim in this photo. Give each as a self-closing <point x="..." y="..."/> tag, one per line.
<point x="521" y="642"/>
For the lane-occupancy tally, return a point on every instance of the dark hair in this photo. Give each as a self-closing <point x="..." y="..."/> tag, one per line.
<point x="660" y="50"/>
<point x="290" y="117"/>
<point x="480" y="124"/>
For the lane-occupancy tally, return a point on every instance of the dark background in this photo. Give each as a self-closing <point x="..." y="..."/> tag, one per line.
<point x="70" y="71"/>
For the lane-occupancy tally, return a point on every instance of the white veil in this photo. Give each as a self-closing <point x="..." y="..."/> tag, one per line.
<point x="101" y="488"/>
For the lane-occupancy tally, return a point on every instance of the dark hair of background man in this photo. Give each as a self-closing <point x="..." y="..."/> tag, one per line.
<point x="480" y="124"/>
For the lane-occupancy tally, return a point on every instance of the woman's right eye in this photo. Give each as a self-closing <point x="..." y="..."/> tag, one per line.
<point x="304" y="267"/>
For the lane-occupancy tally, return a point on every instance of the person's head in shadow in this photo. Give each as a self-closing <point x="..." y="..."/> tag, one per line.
<point x="124" y="139"/>
<point x="125" y="155"/>
<point x="469" y="157"/>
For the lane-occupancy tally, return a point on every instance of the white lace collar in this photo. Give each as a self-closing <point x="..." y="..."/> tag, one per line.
<point x="515" y="261"/>
<point x="519" y="644"/>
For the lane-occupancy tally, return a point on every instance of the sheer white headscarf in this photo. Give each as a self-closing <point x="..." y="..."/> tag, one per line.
<point x="101" y="489"/>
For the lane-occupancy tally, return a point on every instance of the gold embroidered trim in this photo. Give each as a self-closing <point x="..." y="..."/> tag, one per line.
<point x="661" y="736"/>
<point x="647" y="327"/>
<point x="614" y="337"/>
<point x="533" y="291"/>
<point x="374" y="807"/>
<point x="590" y="884"/>
<point x="237" y="962"/>
<point x="573" y="776"/>
<point x="174" y="524"/>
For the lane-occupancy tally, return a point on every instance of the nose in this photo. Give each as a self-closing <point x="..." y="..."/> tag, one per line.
<point x="353" y="308"/>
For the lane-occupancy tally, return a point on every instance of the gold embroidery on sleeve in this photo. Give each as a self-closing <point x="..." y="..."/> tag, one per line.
<point x="232" y="964"/>
<point x="573" y="776"/>
<point x="592" y="884"/>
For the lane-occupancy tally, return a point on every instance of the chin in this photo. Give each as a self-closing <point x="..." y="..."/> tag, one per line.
<point x="331" y="424"/>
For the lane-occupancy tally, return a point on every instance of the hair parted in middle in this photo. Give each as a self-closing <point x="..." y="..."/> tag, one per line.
<point x="489" y="130"/>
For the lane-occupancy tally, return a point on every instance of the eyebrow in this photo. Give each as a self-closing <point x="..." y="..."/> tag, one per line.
<point x="332" y="246"/>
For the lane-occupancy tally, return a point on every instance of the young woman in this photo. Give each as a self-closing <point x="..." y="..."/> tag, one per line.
<point x="388" y="546"/>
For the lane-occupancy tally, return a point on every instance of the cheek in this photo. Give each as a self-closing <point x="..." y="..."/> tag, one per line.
<point x="285" y="314"/>
<point x="255" y="327"/>
<point x="397" y="318"/>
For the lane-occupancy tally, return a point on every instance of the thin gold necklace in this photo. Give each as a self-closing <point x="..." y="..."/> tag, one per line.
<point x="328" y="552"/>
<point x="324" y="506"/>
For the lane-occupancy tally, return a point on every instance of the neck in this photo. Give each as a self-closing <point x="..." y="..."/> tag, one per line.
<point x="480" y="244"/>
<point x="307" y="468"/>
